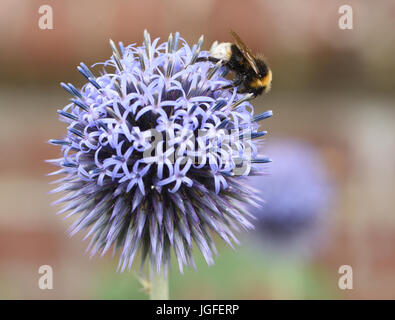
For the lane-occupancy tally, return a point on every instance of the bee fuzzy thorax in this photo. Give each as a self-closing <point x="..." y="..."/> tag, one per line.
<point x="221" y="51"/>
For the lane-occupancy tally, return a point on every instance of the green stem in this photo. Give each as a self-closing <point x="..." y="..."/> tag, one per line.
<point x="159" y="288"/>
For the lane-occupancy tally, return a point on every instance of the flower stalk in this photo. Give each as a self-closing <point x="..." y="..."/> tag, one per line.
<point x="159" y="287"/>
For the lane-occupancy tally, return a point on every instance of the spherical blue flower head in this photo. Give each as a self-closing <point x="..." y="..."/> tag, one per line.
<point x="153" y="153"/>
<point x="297" y="194"/>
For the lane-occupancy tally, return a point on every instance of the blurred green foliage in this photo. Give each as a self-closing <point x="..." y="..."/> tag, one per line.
<point x="240" y="274"/>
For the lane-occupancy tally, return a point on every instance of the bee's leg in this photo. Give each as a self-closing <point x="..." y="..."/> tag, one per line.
<point x="229" y="86"/>
<point x="235" y="83"/>
<point x="211" y="59"/>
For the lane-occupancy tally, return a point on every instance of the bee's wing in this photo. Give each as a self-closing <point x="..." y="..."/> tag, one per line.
<point x="246" y="52"/>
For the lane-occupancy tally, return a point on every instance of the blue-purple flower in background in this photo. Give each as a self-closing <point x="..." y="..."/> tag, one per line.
<point x="298" y="194"/>
<point x="153" y="152"/>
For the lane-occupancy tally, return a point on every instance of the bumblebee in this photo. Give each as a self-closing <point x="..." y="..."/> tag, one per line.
<point x="252" y="74"/>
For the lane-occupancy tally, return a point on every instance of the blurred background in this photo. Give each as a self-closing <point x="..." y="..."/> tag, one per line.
<point x="333" y="89"/>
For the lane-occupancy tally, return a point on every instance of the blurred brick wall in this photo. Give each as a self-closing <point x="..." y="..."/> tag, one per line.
<point x="300" y="38"/>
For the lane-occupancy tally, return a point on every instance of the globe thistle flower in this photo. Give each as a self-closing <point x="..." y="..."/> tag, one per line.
<point x="297" y="194"/>
<point x="153" y="154"/>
